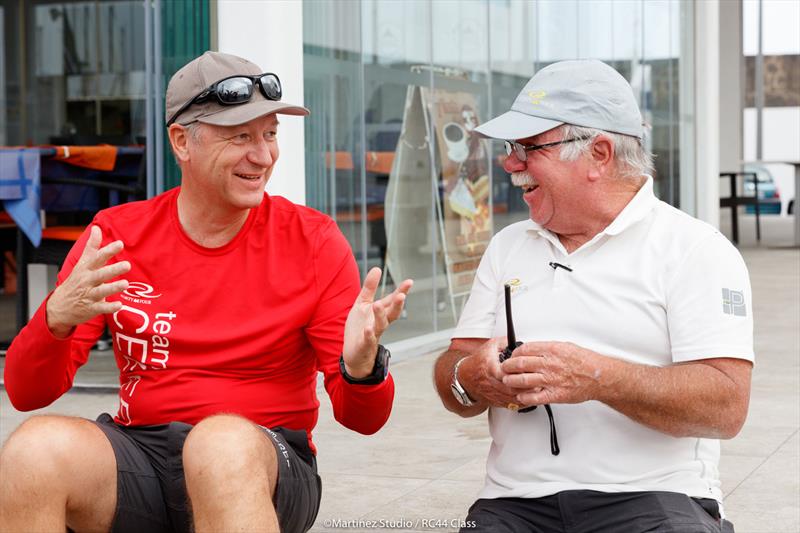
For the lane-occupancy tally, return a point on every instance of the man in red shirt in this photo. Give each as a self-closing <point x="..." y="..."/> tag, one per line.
<point x="223" y="303"/>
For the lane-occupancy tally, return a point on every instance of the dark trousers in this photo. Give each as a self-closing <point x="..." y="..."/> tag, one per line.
<point x="586" y="511"/>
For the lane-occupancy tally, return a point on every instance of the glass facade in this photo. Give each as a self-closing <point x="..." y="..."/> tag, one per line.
<point x="79" y="72"/>
<point x="395" y="88"/>
<point x="771" y="113"/>
<point x="76" y="73"/>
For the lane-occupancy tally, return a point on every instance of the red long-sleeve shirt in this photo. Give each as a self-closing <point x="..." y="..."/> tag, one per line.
<point x="242" y="328"/>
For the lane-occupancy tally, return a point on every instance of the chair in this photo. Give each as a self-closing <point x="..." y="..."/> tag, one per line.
<point x="734" y="201"/>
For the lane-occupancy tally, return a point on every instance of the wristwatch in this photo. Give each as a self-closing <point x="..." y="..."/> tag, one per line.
<point x="379" y="371"/>
<point x="458" y="391"/>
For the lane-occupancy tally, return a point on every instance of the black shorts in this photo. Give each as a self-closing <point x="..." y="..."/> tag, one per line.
<point x="151" y="492"/>
<point x="579" y="511"/>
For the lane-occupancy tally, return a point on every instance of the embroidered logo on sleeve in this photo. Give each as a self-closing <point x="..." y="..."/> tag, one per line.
<point x="733" y="303"/>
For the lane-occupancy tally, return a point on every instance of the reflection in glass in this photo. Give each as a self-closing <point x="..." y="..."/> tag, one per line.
<point x="395" y="87"/>
<point x="78" y="77"/>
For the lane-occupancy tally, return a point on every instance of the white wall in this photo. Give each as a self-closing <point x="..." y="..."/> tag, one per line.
<point x="270" y="34"/>
<point x="707" y="137"/>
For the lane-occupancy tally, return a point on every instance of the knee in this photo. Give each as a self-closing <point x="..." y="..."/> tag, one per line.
<point x="41" y="448"/>
<point x="225" y="445"/>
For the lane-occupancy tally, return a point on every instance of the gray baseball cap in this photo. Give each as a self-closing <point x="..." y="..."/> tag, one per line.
<point x="198" y="74"/>
<point x="585" y="93"/>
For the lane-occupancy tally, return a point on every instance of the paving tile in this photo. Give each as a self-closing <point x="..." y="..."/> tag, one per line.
<point x="734" y="469"/>
<point x="412" y="456"/>
<point x="71" y="404"/>
<point x="767" y="501"/>
<point x="347" y="497"/>
<point x="473" y="471"/>
<point x="437" y="506"/>
<point x="757" y="439"/>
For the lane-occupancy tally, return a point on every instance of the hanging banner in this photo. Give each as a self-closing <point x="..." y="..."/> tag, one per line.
<point x="456" y="170"/>
<point x="464" y="183"/>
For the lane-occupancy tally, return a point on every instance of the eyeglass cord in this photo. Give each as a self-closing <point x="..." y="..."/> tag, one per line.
<point x="554" y="449"/>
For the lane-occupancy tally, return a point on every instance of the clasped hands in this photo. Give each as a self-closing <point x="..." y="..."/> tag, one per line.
<point x="537" y="373"/>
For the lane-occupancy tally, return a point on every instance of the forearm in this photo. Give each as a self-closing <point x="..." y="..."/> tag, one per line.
<point x="686" y="400"/>
<point x="443" y="377"/>
<point x="703" y="398"/>
<point x="38" y="366"/>
<point x="362" y="408"/>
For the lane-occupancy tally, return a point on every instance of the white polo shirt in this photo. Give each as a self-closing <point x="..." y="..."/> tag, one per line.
<point x="656" y="287"/>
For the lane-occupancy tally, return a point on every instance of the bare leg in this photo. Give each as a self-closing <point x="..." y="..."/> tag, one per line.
<point x="55" y="472"/>
<point x="231" y="472"/>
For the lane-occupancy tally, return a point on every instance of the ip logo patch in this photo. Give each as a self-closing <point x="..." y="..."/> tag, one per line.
<point x="733" y="303"/>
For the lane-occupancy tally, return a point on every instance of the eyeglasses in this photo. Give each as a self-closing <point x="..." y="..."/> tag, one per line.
<point x="236" y="90"/>
<point x="521" y="151"/>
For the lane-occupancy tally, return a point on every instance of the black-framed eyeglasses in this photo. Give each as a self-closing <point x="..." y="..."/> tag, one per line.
<point x="521" y="151"/>
<point x="235" y="90"/>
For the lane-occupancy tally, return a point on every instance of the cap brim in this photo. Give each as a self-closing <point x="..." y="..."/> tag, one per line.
<point x="514" y="125"/>
<point x="239" y="114"/>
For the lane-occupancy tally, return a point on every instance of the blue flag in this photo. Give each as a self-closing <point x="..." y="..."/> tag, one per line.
<point x="20" y="189"/>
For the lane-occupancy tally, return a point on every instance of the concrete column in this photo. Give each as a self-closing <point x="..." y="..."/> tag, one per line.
<point x="707" y="109"/>
<point x="731" y="86"/>
<point x="271" y="35"/>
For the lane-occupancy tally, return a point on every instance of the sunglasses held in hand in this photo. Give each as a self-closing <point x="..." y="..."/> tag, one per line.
<point x="506" y="353"/>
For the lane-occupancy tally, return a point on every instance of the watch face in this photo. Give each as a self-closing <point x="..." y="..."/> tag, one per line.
<point x="458" y="395"/>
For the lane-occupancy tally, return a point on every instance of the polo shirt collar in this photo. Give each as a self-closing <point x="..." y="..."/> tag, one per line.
<point x="639" y="207"/>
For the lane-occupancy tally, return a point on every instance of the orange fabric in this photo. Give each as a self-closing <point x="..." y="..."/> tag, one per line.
<point x="343" y="160"/>
<point x="379" y="162"/>
<point x="63" y="233"/>
<point x="99" y="157"/>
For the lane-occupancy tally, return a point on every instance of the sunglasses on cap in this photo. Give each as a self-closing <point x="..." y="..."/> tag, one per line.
<point x="236" y="90"/>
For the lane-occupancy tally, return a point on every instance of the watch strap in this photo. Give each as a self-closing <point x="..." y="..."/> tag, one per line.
<point x="379" y="371"/>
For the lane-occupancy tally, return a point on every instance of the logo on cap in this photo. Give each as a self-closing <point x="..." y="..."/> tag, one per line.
<point x="537" y="97"/>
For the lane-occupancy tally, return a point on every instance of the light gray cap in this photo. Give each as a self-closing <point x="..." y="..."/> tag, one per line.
<point x="585" y="93"/>
<point x="198" y="74"/>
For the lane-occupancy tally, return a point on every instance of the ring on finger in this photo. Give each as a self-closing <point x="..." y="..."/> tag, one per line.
<point x="512" y="407"/>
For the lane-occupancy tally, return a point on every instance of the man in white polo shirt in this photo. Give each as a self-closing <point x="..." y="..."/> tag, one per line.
<point x="636" y="320"/>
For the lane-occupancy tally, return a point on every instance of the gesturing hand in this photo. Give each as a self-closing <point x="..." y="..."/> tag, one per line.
<point x="367" y="321"/>
<point x="82" y="296"/>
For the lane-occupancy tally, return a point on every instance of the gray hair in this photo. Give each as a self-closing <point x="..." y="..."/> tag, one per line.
<point x="193" y="132"/>
<point x="630" y="154"/>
